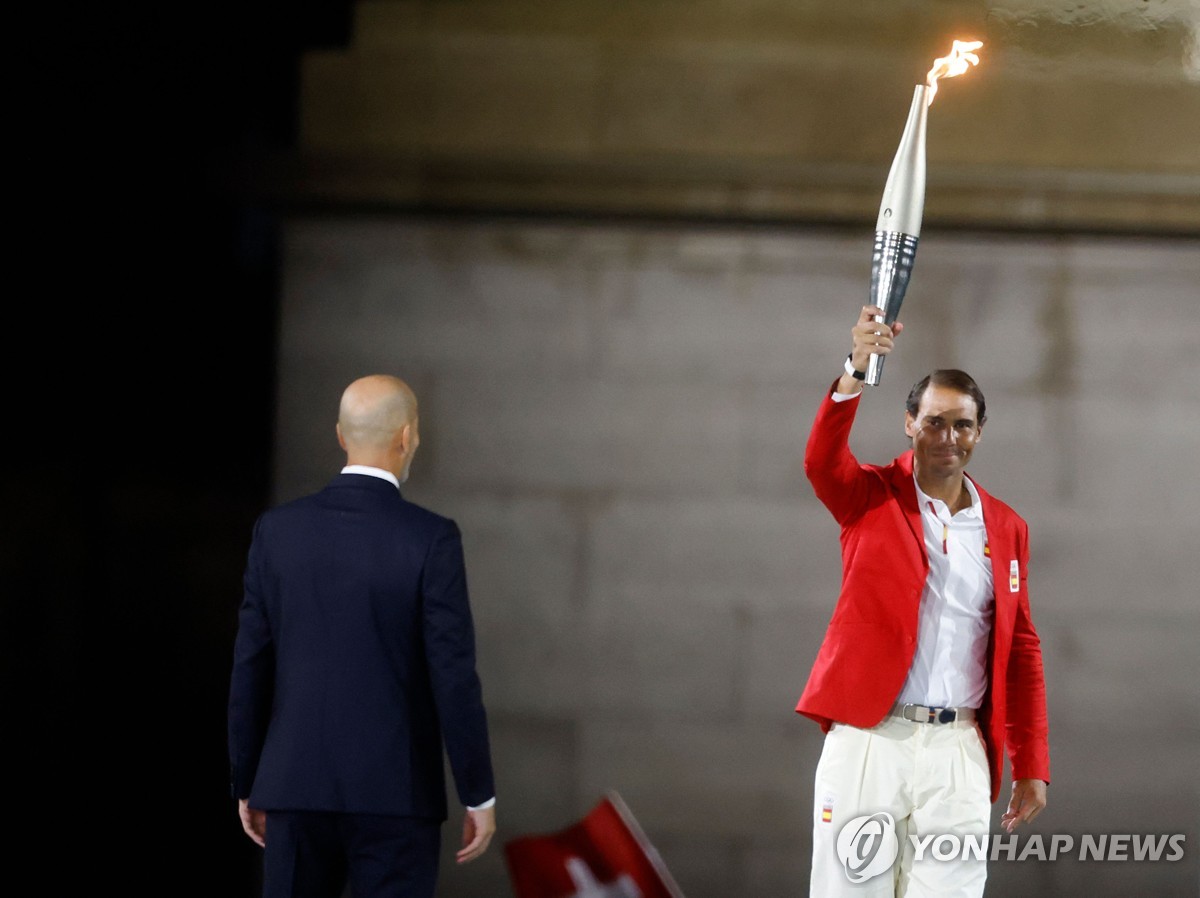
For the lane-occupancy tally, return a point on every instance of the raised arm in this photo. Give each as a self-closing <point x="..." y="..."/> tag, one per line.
<point x="869" y="336"/>
<point x="836" y="476"/>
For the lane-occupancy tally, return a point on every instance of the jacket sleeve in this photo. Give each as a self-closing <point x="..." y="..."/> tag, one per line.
<point x="450" y="649"/>
<point x="252" y="681"/>
<point x="835" y="474"/>
<point x="1027" y="726"/>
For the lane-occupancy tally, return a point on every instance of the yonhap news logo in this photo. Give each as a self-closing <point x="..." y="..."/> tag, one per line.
<point x="867" y="846"/>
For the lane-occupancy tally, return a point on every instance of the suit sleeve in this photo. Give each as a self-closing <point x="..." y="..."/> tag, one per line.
<point x="835" y="474"/>
<point x="450" y="648"/>
<point x="252" y="680"/>
<point x="1027" y="727"/>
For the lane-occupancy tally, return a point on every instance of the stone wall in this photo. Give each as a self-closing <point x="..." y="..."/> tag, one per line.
<point x="1080" y="116"/>
<point x="616" y="413"/>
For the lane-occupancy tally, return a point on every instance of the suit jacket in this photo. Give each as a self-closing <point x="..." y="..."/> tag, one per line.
<point x="872" y="635"/>
<point x="355" y="659"/>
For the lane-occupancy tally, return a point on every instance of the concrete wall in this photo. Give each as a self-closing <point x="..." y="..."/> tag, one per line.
<point x="1080" y="115"/>
<point x="616" y="414"/>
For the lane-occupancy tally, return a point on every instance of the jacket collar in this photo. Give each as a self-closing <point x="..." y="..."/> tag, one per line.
<point x="901" y="475"/>
<point x="364" y="482"/>
<point x="1000" y="543"/>
<point x="372" y="471"/>
<point x="902" y="480"/>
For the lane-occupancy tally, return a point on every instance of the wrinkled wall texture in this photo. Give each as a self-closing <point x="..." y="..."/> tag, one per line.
<point x="616" y="413"/>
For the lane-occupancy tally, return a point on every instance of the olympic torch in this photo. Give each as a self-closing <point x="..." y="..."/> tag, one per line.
<point x="898" y="228"/>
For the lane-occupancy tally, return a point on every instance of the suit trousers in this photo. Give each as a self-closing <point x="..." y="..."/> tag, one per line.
<point x="315" y="854"/>
<point x="875" y="788"/>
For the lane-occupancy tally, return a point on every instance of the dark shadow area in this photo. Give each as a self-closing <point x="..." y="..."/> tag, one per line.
<point x="140" y="376"/>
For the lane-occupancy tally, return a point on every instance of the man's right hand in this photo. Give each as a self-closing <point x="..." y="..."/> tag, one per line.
<point x="869" y="336"/>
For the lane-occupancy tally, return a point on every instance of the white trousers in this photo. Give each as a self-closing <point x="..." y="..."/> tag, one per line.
<point x="929" y="779"/>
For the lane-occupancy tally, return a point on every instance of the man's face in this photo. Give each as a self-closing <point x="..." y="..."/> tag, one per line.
<point x="944" y="432"/>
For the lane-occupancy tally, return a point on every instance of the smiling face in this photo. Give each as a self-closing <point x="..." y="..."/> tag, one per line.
<point x="944" y="432"/>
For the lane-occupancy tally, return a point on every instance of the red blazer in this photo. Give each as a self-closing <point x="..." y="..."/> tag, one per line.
<point x="872" y="636"/>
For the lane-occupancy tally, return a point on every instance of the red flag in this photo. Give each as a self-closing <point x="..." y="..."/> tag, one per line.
<point x="604" y="855"/>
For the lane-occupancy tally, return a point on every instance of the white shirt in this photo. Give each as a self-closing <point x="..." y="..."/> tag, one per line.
<point x="949" y="668"/>
<point x="391" y="478"/>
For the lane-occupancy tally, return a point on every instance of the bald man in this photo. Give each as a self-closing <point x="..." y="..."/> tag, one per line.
<point x="354" y="663"/>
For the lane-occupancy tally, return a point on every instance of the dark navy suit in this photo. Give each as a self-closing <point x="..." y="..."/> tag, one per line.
<point x="355" y="659"/>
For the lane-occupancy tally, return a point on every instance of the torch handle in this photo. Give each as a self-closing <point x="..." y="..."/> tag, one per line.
<point x="891" y="267"/>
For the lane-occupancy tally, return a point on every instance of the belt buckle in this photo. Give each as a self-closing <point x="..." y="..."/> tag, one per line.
<point x="924" y="714"/>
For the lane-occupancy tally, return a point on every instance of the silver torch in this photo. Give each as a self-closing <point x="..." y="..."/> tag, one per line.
<point x="898" y="228"/>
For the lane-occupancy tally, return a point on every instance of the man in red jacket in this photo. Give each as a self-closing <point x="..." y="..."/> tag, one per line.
<point x="931" y="667"/>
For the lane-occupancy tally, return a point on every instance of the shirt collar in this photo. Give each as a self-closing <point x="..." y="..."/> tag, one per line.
<point x="976" y="509"/>
<point x="372" y="472"/>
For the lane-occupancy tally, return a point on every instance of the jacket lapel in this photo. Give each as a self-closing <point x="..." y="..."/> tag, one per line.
<point x="901" y="471"/>
<point x="1003" y="551"/>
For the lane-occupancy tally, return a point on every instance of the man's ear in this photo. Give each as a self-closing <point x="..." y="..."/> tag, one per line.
<point x="909" y="424"/>
<point x="341" y="439"/>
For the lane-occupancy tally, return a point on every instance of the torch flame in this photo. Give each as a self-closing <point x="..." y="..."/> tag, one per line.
<point x="960" y="59"/>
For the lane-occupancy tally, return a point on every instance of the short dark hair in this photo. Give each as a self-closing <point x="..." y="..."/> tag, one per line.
<point x="952" y="378"/>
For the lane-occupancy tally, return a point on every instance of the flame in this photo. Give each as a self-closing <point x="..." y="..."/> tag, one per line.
<point x="962" y="57"/>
